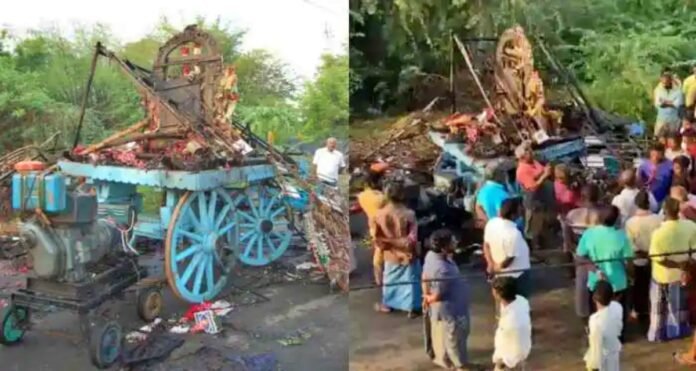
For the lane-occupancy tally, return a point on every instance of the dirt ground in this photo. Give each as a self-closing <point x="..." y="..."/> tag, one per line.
<point x="287" y="305"/>
<point x="393" y="342"/>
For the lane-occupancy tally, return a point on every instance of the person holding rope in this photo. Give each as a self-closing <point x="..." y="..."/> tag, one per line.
<point x="505" y="249"/>
<point x="669" y="315"/>
<point x="446" y="300"/>
<point x="396" y="234"/>
<point x="605" y="242"/>
<point x="639" y="229"/>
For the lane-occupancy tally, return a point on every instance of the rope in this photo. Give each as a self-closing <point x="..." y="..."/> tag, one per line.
<point x="512" y="271"/>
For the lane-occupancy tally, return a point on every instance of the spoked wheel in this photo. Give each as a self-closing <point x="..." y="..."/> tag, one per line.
<point x="199" y="249"/>
<point x="105" y="343"/>
<point x="263" y="231"/>
<point x="13" y="319"/>
<point x="149" y="303"/>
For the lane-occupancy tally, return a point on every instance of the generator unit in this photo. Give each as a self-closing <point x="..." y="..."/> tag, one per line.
<point x="63" y="235"/>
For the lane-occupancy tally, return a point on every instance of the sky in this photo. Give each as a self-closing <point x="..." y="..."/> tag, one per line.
<point x="294" y="30"/>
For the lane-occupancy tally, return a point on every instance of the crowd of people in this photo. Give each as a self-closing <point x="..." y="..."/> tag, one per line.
<point x="631" y="250"/>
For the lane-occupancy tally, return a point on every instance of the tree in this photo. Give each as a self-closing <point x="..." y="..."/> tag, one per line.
<point x="324" y="104"/>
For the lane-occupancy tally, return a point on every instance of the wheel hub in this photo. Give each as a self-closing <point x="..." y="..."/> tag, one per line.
<point x="209" y="242"/>
<point x="266" y="226"/>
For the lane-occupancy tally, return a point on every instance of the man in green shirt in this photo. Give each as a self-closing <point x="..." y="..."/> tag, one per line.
<point x="606" y="242"/>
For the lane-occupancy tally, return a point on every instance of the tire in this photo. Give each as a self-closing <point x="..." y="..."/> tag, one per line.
<point x="105" y="344"/>
<point x="149" y="303"/>
<point x="12" y="319"/>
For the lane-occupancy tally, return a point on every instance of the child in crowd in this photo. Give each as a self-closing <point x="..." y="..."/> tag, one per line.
<point x="604" y="331"/>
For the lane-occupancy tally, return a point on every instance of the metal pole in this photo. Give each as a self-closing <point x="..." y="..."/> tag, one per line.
<point x="469" y="64"/>
<point x="453" y="93"/>
<point x="85" y="97"/>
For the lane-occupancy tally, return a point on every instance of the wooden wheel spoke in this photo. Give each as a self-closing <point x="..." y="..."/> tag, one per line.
<point x="221" y="217"/>
<point x="246" y="216"/>
<point x="202" y="211"/>
<point x="187" y="252"/>
<point x="190" y="267"/>
<point x="226" y="228"/>
<point x="267" y="210"/>
<point x="270" y="244"/>
<point x="209" y="271"/>
<point x="192" y="236"/>
<point x="196" y="223"/>
<point x="252" y="242"/>
<point x="212" y="205"/>
<point x="200" y="269"/>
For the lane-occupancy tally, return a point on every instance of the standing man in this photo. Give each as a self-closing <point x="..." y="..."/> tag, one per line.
<point x="626" y="200"/>
<point x="396" y="235"/>
<point x="505" y="249"/>
<point x="539" y="198"/>
<point x="446" y="298"/>
<point x="328" y="163"/>
<point x="639" y="229"/>
<point x="669" y="314"/>
<point x="668" y="102"/>
<point x="689" y="90"/>
<point x="656" y="173"/>
<point x="607" y="251"/>
<point x="490" y="197"/>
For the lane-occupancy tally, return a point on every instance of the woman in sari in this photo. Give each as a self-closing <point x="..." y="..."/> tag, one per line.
<point x="396" y="235"/>
<point x="446" y="300"/>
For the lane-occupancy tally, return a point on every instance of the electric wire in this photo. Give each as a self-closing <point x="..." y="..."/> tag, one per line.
<point x="690" y="252"/>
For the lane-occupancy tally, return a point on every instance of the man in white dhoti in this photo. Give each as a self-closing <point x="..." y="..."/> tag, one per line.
<point x="605" y="327"/>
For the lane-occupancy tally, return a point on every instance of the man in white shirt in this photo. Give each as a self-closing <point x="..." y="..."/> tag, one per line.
<point x="505" y="248"/>
<point x="626" y="200"/>
<point x="605" y="327"/>
<point x="328" y="163"/>
<point x="513" y="337"/>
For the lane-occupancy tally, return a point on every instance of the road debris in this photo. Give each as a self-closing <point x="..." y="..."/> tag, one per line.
<point x="298" y="337"/>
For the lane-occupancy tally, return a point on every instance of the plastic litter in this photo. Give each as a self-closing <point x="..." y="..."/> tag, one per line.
<point x="180" y="329"/>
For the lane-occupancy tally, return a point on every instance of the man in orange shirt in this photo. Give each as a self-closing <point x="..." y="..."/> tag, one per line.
<point x="538" y="197"/>
<point x="371" y="200"/>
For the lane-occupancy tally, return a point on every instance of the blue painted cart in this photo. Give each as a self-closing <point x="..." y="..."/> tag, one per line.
<point x="208" y="219"/>
<point x="456" y="164"/>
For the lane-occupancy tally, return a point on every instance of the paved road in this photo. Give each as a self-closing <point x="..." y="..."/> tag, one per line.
<point x="393" y="342"/>
<point x="54" y="343"/>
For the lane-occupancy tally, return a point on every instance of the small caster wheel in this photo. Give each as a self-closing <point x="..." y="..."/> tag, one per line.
<point x="13" y="319"/>
<point x="149" y="303"/>
<point x="105" y="343"/>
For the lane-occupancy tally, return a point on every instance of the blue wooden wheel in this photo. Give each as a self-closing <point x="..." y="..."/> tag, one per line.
<point x="263" y="231"/>
<point x="199" y="249"/>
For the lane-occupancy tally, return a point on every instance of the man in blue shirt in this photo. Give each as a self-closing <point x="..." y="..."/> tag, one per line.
<point x="492" y="194"/>
<point x="656" y="173"/>
<point x="446" y="300"/>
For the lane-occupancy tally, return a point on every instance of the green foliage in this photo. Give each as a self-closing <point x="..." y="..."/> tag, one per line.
<point x="43" y="79"/>
<point x="615" y="48"/>
<point x="325" y="102"/>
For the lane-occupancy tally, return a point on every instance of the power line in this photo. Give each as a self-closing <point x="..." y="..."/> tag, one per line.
<point x="322" y="7"/>
<point x="512" y="271"/>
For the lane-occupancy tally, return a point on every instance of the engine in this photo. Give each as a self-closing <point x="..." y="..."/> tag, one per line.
<point x="62" y="233"/>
